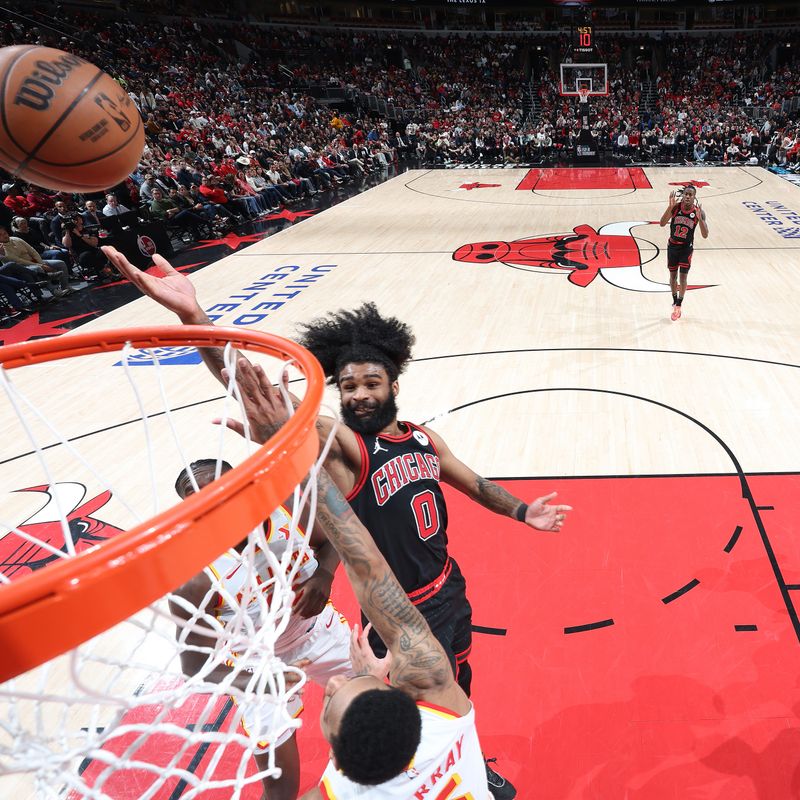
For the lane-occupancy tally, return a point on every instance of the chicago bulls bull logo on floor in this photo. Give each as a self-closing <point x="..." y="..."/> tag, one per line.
<point x="20" y="555"/>
<point x="611" y="252"/>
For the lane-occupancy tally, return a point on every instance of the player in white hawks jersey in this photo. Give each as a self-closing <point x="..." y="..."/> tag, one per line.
<point x="415" y="736"/>
<point x="317" y="636"/>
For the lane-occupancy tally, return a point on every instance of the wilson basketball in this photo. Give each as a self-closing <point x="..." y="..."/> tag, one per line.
<point x="64" y="123"/>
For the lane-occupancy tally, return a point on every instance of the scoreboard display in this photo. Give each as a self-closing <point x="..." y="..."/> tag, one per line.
<point x="584" y="39"/>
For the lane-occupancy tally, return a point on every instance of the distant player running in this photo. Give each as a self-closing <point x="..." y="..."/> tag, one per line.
<point x="683" y="214"/>
<point x="317" y="637"/>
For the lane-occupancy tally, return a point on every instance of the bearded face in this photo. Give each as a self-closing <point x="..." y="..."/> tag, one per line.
<point x="367" y="397"/>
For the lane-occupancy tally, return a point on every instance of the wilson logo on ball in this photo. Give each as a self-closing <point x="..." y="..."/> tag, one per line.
<point x="36" y="91"/>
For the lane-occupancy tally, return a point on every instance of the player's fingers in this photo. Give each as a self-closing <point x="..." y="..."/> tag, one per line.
<point x="246" y="378"/>
<point x="563" y="508"/>
<point x="225" y="374"/>
<point x="547" y="498"/>
<point x="258" y="383"/>
<point x="233" y="424"/>
<point x="164" y="265"/>
<point x="122" y="264"/>
<point x="367" y="629"/>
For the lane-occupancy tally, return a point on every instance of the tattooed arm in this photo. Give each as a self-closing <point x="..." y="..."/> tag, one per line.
<point x="419" y="664"/>
<point x="539" y="514"/>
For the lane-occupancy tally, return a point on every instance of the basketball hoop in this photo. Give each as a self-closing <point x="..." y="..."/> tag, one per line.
<point x="583" y="95"/>
<point x="86" y="705"/>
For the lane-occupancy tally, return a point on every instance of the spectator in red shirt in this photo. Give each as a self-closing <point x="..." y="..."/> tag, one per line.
<point x="19" y="205"/>
<point x="39" y="201"/>
<point x="211" y="192"/>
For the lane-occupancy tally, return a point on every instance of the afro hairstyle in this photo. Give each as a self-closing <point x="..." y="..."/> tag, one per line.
<point x="358" y="337"/>
<point x="379" y="734"/>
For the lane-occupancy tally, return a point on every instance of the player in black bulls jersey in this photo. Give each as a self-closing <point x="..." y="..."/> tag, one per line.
<point x="390" y="473"/>
<point x="683" y="214"/>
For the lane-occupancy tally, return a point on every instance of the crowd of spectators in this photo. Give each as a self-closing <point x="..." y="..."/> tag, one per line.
<point x="234" y="131"/>
<point x="716" y="101"/>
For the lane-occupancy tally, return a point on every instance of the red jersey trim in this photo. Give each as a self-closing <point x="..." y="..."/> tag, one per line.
<point x="362" y="475"/>
<point x="463" y="655"/>
<point x="402" y="437"/>
<point x="438" y="709"/>
<point x="432" y="589"/>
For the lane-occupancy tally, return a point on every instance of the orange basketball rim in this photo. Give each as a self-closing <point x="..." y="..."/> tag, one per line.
<point x="74" y="599"/>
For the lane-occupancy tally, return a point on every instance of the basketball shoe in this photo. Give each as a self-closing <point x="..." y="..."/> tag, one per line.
<point x="499" y="787"/>
<point x="676" y="313"/>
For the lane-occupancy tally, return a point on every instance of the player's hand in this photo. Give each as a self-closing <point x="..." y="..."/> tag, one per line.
<point x="362" y="657"/>
<point x="700" y="212"/>
<point x="263" y="404"/>
<point x="544" y="517"/>
<point x="313" y="594"/>
<point x="673" y="198"/>
<point x="171" y="290"/>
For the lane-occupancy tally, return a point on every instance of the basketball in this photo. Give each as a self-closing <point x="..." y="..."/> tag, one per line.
<point x="64" y="123"/>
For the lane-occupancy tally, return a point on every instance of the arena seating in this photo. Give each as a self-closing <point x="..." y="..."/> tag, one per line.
<point x="238" y="118"/>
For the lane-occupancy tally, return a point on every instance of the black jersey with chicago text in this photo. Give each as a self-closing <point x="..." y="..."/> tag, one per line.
<point x="399" y="501"/>
<point x="682" y="225"/>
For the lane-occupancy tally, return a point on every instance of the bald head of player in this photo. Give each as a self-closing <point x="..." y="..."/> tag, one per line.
<point x="373" y="729"/>
<point x="204" y="471"/>
<point x="363" y="354"/>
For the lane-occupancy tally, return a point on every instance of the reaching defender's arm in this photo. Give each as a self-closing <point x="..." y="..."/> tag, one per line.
<point x="538" y="514"/>
<point x="419" y="664"/>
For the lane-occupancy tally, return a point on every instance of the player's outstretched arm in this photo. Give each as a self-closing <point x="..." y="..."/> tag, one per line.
<point x="538" y="514"/>
<point x="667" y="215"/>
<point x="419" y="664"/>
<point x="176" y="293"/>
<point x="173" y="291"/>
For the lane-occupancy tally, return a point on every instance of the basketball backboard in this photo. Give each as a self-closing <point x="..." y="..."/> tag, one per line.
<point x="574" y="77"/>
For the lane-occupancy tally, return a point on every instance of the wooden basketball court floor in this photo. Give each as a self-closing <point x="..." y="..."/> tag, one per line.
<point x="651" y="649"/>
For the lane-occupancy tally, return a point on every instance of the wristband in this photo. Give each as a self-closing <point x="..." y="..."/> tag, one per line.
<point x="521" y="511"/>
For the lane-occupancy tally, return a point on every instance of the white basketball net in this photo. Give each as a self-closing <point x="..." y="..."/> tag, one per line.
<point x="117" y="711"/>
